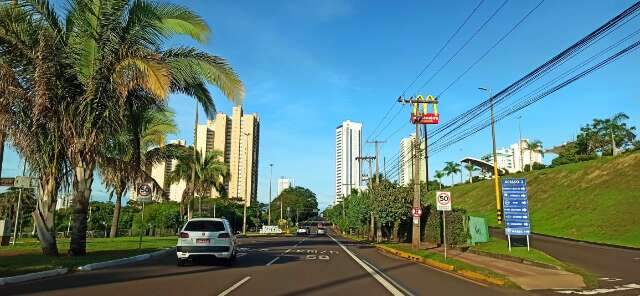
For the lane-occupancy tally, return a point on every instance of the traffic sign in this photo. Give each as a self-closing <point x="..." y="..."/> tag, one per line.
<point x="515" y="204"/>
<point x="145" y="190"/>
<point x="416" y="212"/>
<point x="443" y="201"/>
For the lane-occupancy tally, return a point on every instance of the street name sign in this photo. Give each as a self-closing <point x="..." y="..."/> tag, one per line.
<point x="515" y="201"/>
<point x="443" y="201"/>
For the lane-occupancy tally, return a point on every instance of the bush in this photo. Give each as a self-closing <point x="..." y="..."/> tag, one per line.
<point x="457" y="232"/>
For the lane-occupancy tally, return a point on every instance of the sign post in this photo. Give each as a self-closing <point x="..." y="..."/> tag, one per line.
<point x="144" y="195"/>
<point x="515" y="205"/>
<point x="443" y="203"/>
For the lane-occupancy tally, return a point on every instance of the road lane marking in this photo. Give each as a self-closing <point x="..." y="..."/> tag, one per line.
<point x="384" y="282"/>
<point x="287" y="251"/>
<point x="235" y="286"/>
<point x="601" y="291"/>
<point x="274" y="260"/>
<point x="407" y="292"/>
<point x="610" y="279"/>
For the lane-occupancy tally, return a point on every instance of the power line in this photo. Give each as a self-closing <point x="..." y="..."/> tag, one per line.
<point x="455" y="33"/>
<point x="490" y="49"/>
<point x="464" y="45"/>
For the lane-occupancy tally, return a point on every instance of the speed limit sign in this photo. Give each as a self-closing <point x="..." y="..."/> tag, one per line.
<point x="443" y="200"/>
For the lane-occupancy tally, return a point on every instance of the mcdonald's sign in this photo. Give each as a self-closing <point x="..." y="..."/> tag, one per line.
<point x="421" y="114"/>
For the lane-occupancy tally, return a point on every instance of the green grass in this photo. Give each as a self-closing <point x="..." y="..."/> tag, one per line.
<point x="595" y="201"/>
<point x="501" y="247"/>
<point x="26" y="256"/>
<point x="457" y="264"/>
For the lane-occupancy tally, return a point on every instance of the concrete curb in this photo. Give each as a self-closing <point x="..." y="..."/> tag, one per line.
<point x="32" y="276"/>
<point x="443" y="266"/>
<point x="514" y="259"/>
<point x="123" y="261"/>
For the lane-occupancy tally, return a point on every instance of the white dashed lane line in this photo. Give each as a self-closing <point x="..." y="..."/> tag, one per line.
<point x="235" y="286"/>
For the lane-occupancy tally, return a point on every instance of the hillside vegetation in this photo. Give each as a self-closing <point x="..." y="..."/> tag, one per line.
<point x="596" y="200"/>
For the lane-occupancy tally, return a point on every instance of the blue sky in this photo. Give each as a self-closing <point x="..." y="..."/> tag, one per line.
<point x="309" y="65"/>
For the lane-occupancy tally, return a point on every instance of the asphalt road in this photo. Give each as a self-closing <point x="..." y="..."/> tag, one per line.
<point x="615" y="267"/>
<point x="268" y="266"/>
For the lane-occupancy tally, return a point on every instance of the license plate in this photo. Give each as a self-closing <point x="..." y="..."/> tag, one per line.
<point x="202" y="241"/>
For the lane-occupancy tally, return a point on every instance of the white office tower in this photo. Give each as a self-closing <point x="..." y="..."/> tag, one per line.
<point x="406" y="165"/>
<point x="348" y="148"/>
<point x="284" y="183"/>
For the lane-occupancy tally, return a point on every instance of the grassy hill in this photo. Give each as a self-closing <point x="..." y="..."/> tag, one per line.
<point x="595" y="201"/>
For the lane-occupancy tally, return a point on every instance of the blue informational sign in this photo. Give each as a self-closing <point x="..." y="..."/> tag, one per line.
<point x="515" y="201"/>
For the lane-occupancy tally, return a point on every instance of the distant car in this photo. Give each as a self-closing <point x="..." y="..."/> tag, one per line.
<point x="206" y="237"/>
<point x="322" y="231"/>
<point x="302" y="231"/>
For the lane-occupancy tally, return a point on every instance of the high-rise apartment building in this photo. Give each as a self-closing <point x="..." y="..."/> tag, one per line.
<point x="237" y="137"/>
<point x="516" y="157"/>
<point x="407" y="151"/>
<point x="348" y="147"/>
<point x="284" y="183"/>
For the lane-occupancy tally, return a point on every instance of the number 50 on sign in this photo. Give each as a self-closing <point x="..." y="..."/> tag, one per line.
<point x="443" y="201"/>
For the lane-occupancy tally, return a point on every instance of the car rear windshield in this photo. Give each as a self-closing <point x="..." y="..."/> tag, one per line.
<point x="206" y="226"/>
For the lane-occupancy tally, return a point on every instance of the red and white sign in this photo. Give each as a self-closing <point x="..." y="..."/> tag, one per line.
<point x="443" y="200"/>
<point x="416" y="212"/>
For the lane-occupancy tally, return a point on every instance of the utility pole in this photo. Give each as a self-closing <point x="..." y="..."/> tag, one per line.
<point x="419" y="117"/>
<point x="377" y="144"/>
<point x="496" y="176"/>
<point x="371" y="219"/>
<point x="270" y="181"/>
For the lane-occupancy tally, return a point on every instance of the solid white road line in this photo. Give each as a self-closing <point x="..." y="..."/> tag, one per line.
<point x="235" y="286"/>
<point x="390" y="287"/>
<point x="405" y="291"/>
<point x="274" y="260"/>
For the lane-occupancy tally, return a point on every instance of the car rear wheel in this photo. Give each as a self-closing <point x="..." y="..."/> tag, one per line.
<point x="180" y="262"/>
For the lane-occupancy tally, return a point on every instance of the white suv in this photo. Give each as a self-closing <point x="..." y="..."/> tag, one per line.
<point x="206" y="237"/>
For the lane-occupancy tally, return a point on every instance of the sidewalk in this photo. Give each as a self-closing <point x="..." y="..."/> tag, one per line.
<point x="528" y="277"/>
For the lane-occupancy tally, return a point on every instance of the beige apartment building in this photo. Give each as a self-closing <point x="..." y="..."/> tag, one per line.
<point x="237" y="137"/>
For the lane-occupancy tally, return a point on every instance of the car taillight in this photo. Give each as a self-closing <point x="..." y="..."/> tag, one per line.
<point x="224" y="235"/>
<point x="184" y="235"/>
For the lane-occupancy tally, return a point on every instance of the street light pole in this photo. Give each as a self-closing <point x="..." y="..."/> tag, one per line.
<point x="270" y="181"/>
<point x="496" y="176"/>
<point x="520" y="143"/>
<point x="246" y="187"/>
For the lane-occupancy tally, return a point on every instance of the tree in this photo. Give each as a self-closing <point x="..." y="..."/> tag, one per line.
<point x="122" y="166"/>
<point x="534" y="147"/>
<point x="616" y="131"/>
<point x="470" y="169"/>
<point x="93" y="60"/>
<point x="439" y="175"/>
<point x="210" y="172"/>
<point x="451" y="168"/>
<point x="295" y="199"/>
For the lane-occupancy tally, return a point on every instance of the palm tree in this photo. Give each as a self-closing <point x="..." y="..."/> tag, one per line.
<point x="94" y="63"/>
<point x="210" y="173"/>
<point x="613" y="128"/>
<point x="439" y="175"/>
<point x="451" y="168"/>
<point x="120" y="169"/>
<point x="534" y="147"/>
<point x="470" y="169"/>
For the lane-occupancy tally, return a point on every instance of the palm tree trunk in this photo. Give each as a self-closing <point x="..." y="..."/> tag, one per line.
<point x="82" y="181"/>
<point x="530" y="160"/>
<point x="470" y="177"/>
<point x="43" y="215"/>
<point x="440" y="181"/>
<point x="452" y="180"/>
<point x="3" y="137"/>
<point x="116" y="212"/>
